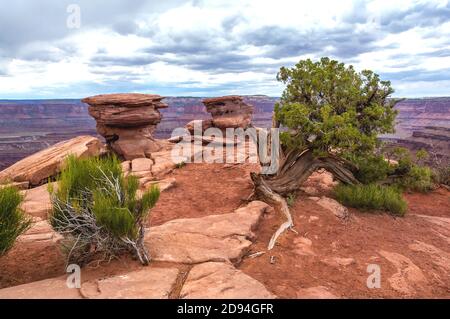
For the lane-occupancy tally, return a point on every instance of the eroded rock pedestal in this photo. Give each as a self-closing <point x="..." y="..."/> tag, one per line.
<point x="127" y="121"/>
<point x="229" y="112"/>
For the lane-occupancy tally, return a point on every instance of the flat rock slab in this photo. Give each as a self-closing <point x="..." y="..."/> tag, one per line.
<point x="48" y="162"/>
<point x="331" y="205"/>
<point x="37" y="202"/>
<point x="212" y="238"/>
<point x="319" y="292"/>
<point x="408" y="275"/>
<point x="150" y="283"/>
<point x="215" y="280"/>
<point x="55" y="288"/>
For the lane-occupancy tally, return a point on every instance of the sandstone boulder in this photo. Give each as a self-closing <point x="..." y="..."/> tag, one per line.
<point x="229" y="112"/>
<point x="127" y="121"/>
<point x="40" y="166"/>
<point x="408" y="276"/>
<point x="141" y="164"/>
<point x="319" y="292"/>
<point x="203" y="124"/>
<point x="224" y="237"/>
<point x="150" y="283"/>
<point x="216" y="280"/>
<point x="55" y="288"/>
<point x="332" y="205"/>
<point x="37" y="201"/>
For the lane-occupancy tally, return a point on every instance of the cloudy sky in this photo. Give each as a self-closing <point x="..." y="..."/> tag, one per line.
<point x="212" y="48"/>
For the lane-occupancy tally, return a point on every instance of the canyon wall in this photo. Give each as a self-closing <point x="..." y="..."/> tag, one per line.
<point x="31" y="125"/>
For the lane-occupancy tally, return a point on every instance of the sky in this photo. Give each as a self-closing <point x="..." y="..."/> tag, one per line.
<point x="73" y="49"/>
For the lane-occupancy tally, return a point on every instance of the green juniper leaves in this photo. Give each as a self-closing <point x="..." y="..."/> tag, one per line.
<point x="329" y="106"/>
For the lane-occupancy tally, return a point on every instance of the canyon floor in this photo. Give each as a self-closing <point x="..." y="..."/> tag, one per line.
<point x="326" y="257"/>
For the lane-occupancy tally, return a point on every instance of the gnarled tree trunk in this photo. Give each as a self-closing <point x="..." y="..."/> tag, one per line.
<point x="294" y="170"/>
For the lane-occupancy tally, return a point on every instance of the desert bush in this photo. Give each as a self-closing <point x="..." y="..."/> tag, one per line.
<point x="371" y="197"/>
<point x="13" y="222"/>
<point x="98" y="212"/>
<point x="371" y="168"/>
<point x="410" y="175"/>
<point x="442" y="175"/>
<point x="418" y="178"/>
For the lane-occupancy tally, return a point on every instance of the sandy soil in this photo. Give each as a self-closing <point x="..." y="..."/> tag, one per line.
<point x="368" y="238"/>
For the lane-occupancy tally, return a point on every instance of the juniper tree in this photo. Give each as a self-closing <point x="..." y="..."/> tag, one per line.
<point x="330" y="116"/>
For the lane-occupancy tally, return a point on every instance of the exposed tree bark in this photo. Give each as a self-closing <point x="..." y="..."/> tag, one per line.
<point x="263" y="191"/>
<point x="294" y="170"/>
<point x="298" y="166"/>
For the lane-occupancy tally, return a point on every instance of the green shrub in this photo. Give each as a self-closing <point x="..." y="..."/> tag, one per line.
<point x="411" y="176"/>
<point x="290" y="199"/>
<point x="442" y="175"/>
<point x="372" y="169"/>
<point x="418" y="178"/>
<point x="371" y="197"/>
<point x="97" y="210"/>
<point x="13" y="222"/>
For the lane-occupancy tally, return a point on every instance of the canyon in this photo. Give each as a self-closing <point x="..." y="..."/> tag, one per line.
<point x="28" y="126"/>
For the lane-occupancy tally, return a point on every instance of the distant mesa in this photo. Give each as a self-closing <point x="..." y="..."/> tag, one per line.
<point x="128" y="122"/>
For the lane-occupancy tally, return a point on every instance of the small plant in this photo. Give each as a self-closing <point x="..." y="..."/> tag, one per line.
<point x="371" y="197"/>
<point x="290" y="199"/>
<point x="442" y="175"/>
<point x="372" y="168"/>
<point x="410" y="175"/>
<point x="180" y="165"/>
<point x="13" y="222"/>
<point x="98" y="212"/>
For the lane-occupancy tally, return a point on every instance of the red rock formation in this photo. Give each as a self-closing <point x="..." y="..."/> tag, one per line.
<point x="128" y="121"/>
<point x="47" y="163"/>
<point x="229" y="112"/>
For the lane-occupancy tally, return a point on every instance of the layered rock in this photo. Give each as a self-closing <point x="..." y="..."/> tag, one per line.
<point x="229" y="112"/>
<point x="40" y="166"/>
<point x="225" y="237"/>
<point x="128" y="121"/>
<point x="216" y="280"/>
<point x="150" y="283"/>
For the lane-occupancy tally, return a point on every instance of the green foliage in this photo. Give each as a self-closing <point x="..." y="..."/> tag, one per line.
<point x="371" y="168"/>
<point x="290" y="199"/>
<point x="180" y="165"/>
<point x="97" y="209"/>
<point x="371" y="197"/>
<point x="418" y="178"/>
<point x="442" y="175"/>
<point x="13" y="222"/>
<point x="329" y="106"/>
<point x="412" y="176"/>
<point x="422" y="155"/>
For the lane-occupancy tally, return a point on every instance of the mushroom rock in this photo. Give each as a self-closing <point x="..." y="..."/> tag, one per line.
<point x="229" y="112"/>
<point x="127" y="121"/>
<point x="202" y="124"/>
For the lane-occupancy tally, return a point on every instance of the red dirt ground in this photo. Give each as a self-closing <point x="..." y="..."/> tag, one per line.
<point x="206" y="189"/>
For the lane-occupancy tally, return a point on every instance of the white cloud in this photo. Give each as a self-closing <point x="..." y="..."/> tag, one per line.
<point x="228" y="46"/>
